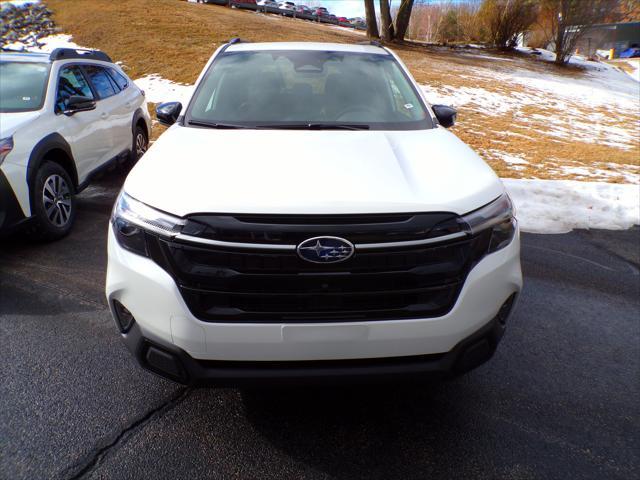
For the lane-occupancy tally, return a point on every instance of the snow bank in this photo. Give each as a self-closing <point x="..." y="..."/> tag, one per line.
<point x="559" y="206"/>
<point x="158" y="89"/>
<point x="18" y="3"/>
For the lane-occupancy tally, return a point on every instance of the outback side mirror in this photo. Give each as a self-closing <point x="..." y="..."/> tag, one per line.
<point x="168" y="112"/>
<point x="79" y="103"/>
<point x="446" y="115"/>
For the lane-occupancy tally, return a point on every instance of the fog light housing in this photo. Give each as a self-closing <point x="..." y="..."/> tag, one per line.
<point x="124" y="318"/>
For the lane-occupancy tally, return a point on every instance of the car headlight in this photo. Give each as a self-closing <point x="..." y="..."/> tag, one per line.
<point x="133" y="220"/>
<point x="499" y="217"/>
<point x="6" y="145"/>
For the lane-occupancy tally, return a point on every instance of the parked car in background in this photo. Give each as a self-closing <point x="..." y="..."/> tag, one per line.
<point x="343" y="20"/>
<point x="65" y="116"/>
<point x="289" y="6"/>
<point x="304" y="10"/>
<point x="267" y="3"/>
<point x="320" y="12"/>
<point x="332" y="17"/>
<point x="340" y="231"/>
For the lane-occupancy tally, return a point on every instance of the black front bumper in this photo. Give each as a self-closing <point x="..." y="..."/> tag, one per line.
<point x="11" y="216"/>
<point x="175" y="364"/>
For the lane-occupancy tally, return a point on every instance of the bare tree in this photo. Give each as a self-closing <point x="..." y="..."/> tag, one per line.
<point x="386" y="23"/>
<point x="402" y="19"/>
<point x="372" y="23"/>
<point x="504" y="20"/>
<point x="395" y="31"/>
<point x="569" y="20"/>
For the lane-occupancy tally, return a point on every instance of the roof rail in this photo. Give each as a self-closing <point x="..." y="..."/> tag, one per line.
<point x="69" y="53"/>
<point x="233" y="41"/>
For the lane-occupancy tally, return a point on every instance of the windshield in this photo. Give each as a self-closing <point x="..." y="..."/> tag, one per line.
<point x="313" y="88"/>
<point x="22" y="86"/>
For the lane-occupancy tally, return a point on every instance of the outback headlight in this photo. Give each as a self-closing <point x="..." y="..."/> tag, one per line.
<point x="499" y="217"/>
<point x="132" y="220"/>
<point x="6" y="145"/>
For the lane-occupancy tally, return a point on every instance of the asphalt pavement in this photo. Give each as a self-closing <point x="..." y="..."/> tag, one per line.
<point x="558" y="400"/>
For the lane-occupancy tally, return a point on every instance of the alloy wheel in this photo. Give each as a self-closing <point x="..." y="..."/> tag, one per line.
<point x="56" y="198"/>
<point x="141" y="144"/>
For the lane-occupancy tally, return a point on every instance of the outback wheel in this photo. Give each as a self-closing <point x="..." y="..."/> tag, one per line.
<point x="52" y="202"/>
<point x="140" y="143"/>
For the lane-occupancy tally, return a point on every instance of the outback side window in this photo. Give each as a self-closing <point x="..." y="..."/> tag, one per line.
<point x="120" y="79"/>
<point x="71" y="81"/>
<point x="104" y="86"/>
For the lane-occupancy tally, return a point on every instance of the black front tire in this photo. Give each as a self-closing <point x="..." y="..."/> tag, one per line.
<point x="53" y="203"/>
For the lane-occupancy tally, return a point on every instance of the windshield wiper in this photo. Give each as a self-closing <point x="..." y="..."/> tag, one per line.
<point x="198" y="123"/>
<point x="292" y="126"/>
<point x="317" y="126"/>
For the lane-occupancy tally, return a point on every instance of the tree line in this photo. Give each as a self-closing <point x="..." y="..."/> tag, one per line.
<point x="561" y="23"/>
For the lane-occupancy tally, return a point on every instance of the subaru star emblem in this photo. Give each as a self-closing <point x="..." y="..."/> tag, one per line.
<point x="325" y="250"/>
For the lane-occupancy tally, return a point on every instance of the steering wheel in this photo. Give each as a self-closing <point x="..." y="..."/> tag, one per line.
<point x="355" y="109"/>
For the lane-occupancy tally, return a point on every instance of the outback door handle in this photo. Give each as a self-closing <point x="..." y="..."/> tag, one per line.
<point x="104" y="115"/>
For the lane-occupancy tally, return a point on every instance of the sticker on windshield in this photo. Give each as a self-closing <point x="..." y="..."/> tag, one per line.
<point x="408" y="106"/>
<point x="26" y="99"/>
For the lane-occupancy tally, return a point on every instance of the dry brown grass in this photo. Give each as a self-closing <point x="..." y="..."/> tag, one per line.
<point x="174" y="39"/>
<point x="625" y="64"/>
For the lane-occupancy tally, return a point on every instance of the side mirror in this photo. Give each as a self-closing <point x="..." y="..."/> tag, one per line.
<point x="79" y="103"/>
<point x="168" y="112"/>
<point x="445" y="115"/>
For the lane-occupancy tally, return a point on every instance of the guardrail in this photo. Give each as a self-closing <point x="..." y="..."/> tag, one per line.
<point x="285" y="13"/>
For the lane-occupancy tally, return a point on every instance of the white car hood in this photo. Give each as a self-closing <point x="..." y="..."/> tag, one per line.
<point x="11" y="122"/>
<point x="197" y="170"/>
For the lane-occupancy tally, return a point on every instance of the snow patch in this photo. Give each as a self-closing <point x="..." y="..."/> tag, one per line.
<point x="599" y="171"/>
<point x="559" y="206"/>
<point x="602" y="85"/>
<point x="516" y="162"/>
<point x="571" y="107"/>
<point x="45" y="44"/>
<point x="636" y="69"/>
<point x="479" y="99"/>
<point x="158" y="89"/>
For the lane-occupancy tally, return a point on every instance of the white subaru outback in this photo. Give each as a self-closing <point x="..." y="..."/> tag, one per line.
<point x="65" y="116"/>
<point x="308" y="216"/>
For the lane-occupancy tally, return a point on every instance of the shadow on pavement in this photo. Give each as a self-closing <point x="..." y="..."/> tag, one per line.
<point x="353" y="432"/>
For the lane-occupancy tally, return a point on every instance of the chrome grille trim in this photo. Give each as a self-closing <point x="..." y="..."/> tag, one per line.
<point x="358" y="246"/>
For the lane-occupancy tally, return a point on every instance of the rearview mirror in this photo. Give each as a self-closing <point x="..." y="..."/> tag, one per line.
<point x="168" y="112"/>
<point x="446" y="115"/>
<point x="79" y="103"/>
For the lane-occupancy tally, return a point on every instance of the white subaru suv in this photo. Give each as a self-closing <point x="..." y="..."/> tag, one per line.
<point x="66" y="116"/>
<point x="308" y="216"/>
